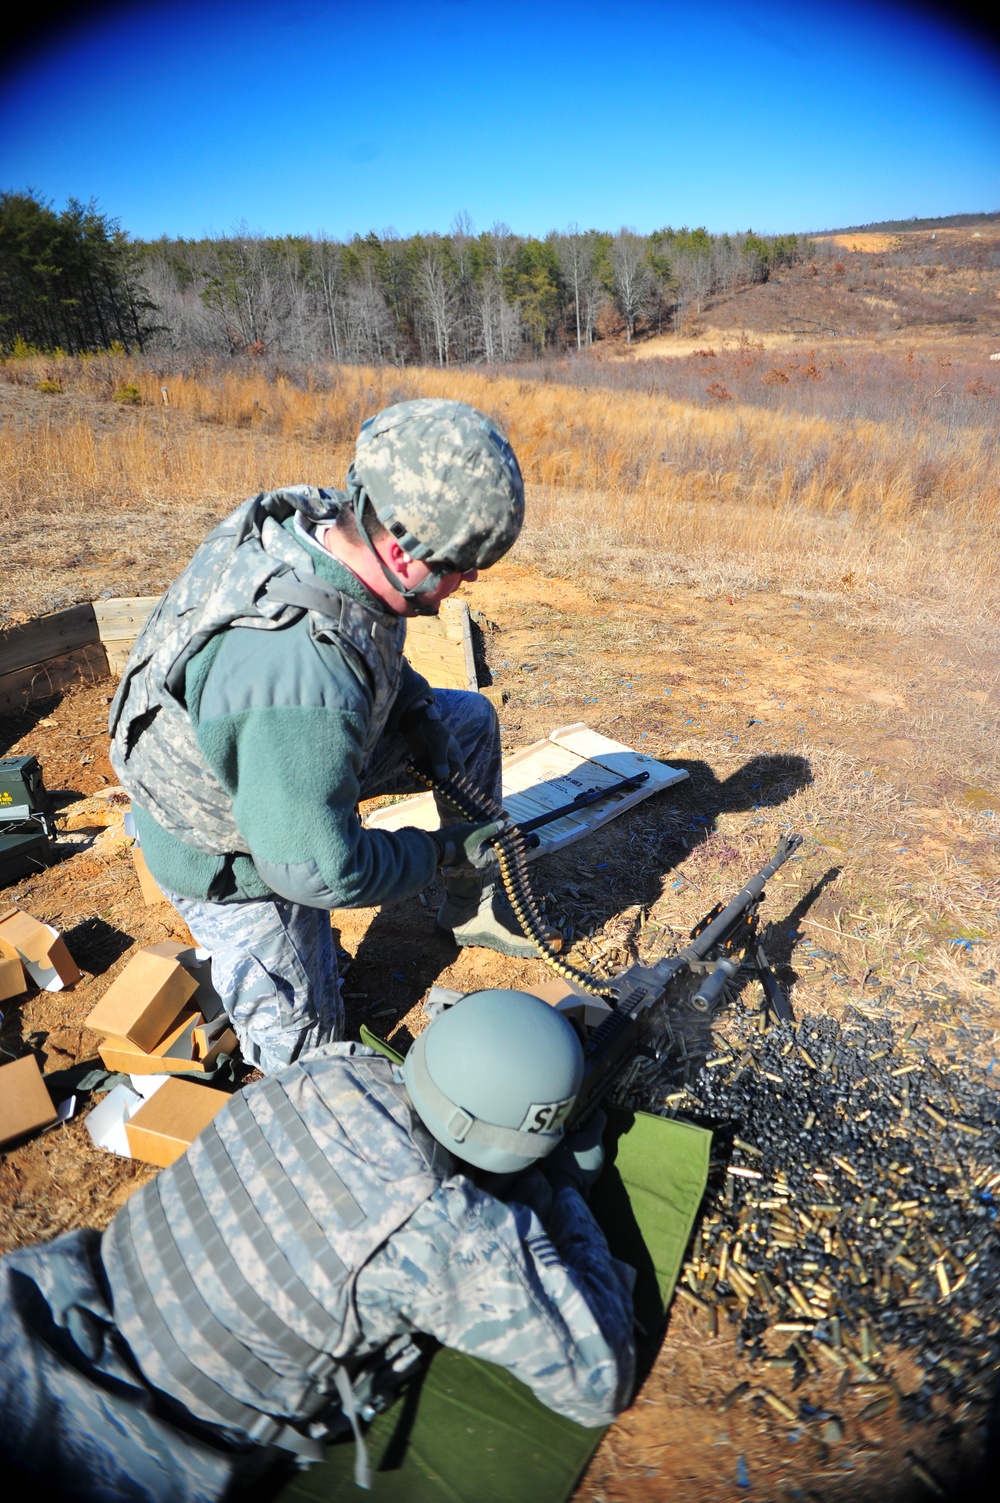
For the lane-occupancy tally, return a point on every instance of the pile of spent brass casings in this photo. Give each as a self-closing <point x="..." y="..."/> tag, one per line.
<point x="853" y="1198"/>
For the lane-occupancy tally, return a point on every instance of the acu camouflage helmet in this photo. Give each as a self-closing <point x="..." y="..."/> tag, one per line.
<point x="444" y="481"/>
<point x="494" y="1078"/>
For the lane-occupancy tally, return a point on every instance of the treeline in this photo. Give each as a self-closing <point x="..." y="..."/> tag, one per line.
<point x="459" y="298"/>
<point x="75" y="280"/>
<point x="945" y="222"/>
<point x="69" y="281"/>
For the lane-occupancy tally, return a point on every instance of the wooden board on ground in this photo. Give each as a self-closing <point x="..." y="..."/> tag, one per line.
<point x="440" y="647"/>
<point x="572" y="760"/>
<point x="119" y="621"/>
<point x="47" y="637"/>
<point x="87" y="642"/>
<point x="43" y="656"/>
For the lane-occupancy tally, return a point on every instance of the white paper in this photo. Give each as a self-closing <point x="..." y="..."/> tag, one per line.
<point x="106" y="1121"/>
<point x="148" y="1085"/>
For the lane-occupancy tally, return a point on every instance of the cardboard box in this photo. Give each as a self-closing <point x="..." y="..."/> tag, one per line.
<point x="207" y="1035"/>
<point x="146" y="1000"/>
<point x="168" y="1123"/>
<point x="588" y="1011"/>
<point x="40" y="948"/>
<point x="120" y="1055"/>
<point x="151" y="894"/>
<point x="199" y="963"/>
<point x="25" y="1103"/>
<point x="12" y="978"/>
<point x="105" y="1122"/>
<point x="178" y="1042"/>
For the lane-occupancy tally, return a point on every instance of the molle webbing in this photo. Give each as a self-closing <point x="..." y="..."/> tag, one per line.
<point x="231" y="1273"/>
<point x="249" y="573"/>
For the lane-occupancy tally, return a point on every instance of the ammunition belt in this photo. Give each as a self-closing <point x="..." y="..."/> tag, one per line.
<point x="511" y="852"/>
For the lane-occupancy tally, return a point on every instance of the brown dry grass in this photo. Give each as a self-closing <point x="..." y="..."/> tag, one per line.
<point x="740" y="492"/>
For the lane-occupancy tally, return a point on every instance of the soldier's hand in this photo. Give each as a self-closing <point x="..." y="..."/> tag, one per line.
<point x="579" y="1158"/>
<point x="461" y="845"/>
<point x="429" y="739"/>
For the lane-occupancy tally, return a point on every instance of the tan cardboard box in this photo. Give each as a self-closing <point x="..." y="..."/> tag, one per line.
<point x="151" y="894"/>
<point x="589" y="1011"/>
<point x="168" y="1123"/>
<point x="199" y="963"/>
<point x="12" y="978"/>
<point x="119" y="1054"/>
<point x="25" y="1103"/>
<point x="40" y="948"/>
<point x="206" y="1035"/>
<point x="178" y="1041"/>
<point x="145" y="1001"/>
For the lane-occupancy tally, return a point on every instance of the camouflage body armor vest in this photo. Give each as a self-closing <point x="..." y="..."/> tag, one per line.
<point x="248" y="572"/>
<point x="232" y="1273"/>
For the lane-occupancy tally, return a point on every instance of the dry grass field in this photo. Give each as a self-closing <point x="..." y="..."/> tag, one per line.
<point x="791" y="591"/>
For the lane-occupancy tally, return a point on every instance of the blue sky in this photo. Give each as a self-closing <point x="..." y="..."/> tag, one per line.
<point x="302" y="117"/>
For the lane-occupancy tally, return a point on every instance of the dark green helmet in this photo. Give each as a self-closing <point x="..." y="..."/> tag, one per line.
<point x="495" y="1077"/>
<point x="444" y="481"/>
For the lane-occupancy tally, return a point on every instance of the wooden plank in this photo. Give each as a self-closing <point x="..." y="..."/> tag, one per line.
<point x="118" y="655"/>
<point x="47" y="637"/>
<point x="86" y="665"/>
<point x="440" y="647"/>
<point x="454" y="619"/>
<point x="472" y="683"/>
<point x="441" y="669"/>
<point x="122" y="619"/>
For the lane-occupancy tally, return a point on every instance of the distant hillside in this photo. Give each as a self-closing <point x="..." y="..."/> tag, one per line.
<point x="929" y="277"/>
<point x="947" y="221"/>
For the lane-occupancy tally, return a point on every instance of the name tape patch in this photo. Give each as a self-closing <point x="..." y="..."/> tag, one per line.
<point x="546" y="1116"/>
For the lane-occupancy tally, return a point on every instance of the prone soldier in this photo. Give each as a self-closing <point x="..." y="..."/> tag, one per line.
<point x="231" y="1311"/>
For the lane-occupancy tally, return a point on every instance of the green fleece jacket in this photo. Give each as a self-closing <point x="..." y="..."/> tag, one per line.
<point x="281" y="720"/>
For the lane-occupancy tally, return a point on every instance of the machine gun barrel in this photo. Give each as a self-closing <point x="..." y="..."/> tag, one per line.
<point x="622" y="1034"/>
<point x="733" y="914"/>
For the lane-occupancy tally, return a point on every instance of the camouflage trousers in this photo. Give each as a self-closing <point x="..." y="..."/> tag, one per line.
<point x="273" y="961"/>
<point x="79" y="1419"/>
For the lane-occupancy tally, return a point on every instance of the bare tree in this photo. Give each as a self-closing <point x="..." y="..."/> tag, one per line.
<point x="328" y="279"/>
<point x="692" y="279"/>
<point x="501" y="333"/>
<point x="370" y="329"/>
<point x="578" y="260"/>
<point x="244" y="290"/>
<point x="437" y="299"/>
<point x="632" y="278"/>
<point x="183" y="320"/>
<point x="502" y="245"/>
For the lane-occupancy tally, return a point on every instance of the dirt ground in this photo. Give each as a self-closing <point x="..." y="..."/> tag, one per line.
<point x="878" y="746"/>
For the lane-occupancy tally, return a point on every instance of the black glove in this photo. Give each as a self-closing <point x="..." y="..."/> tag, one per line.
<point x="465" y="845"/>
<point x="429" y="739"/>
<point x="579" y="1159"/>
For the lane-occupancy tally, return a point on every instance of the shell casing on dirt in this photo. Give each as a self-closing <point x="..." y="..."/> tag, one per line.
<point x="844" y="1218"/>
<point x="511" y="853"/>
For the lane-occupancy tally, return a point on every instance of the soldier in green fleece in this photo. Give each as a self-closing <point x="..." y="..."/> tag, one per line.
<point x="268" y="693"/>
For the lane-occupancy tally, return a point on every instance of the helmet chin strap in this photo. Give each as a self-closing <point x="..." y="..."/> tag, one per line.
<point x="412" y="593"/>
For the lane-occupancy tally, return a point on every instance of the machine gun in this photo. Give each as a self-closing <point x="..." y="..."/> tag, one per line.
<point x="720" y="944"/>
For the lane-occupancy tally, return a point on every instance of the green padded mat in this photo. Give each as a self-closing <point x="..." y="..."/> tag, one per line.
<point x="471" y="1433"/>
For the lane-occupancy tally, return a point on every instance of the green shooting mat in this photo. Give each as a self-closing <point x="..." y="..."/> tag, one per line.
<point x="470" y="1432"/>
